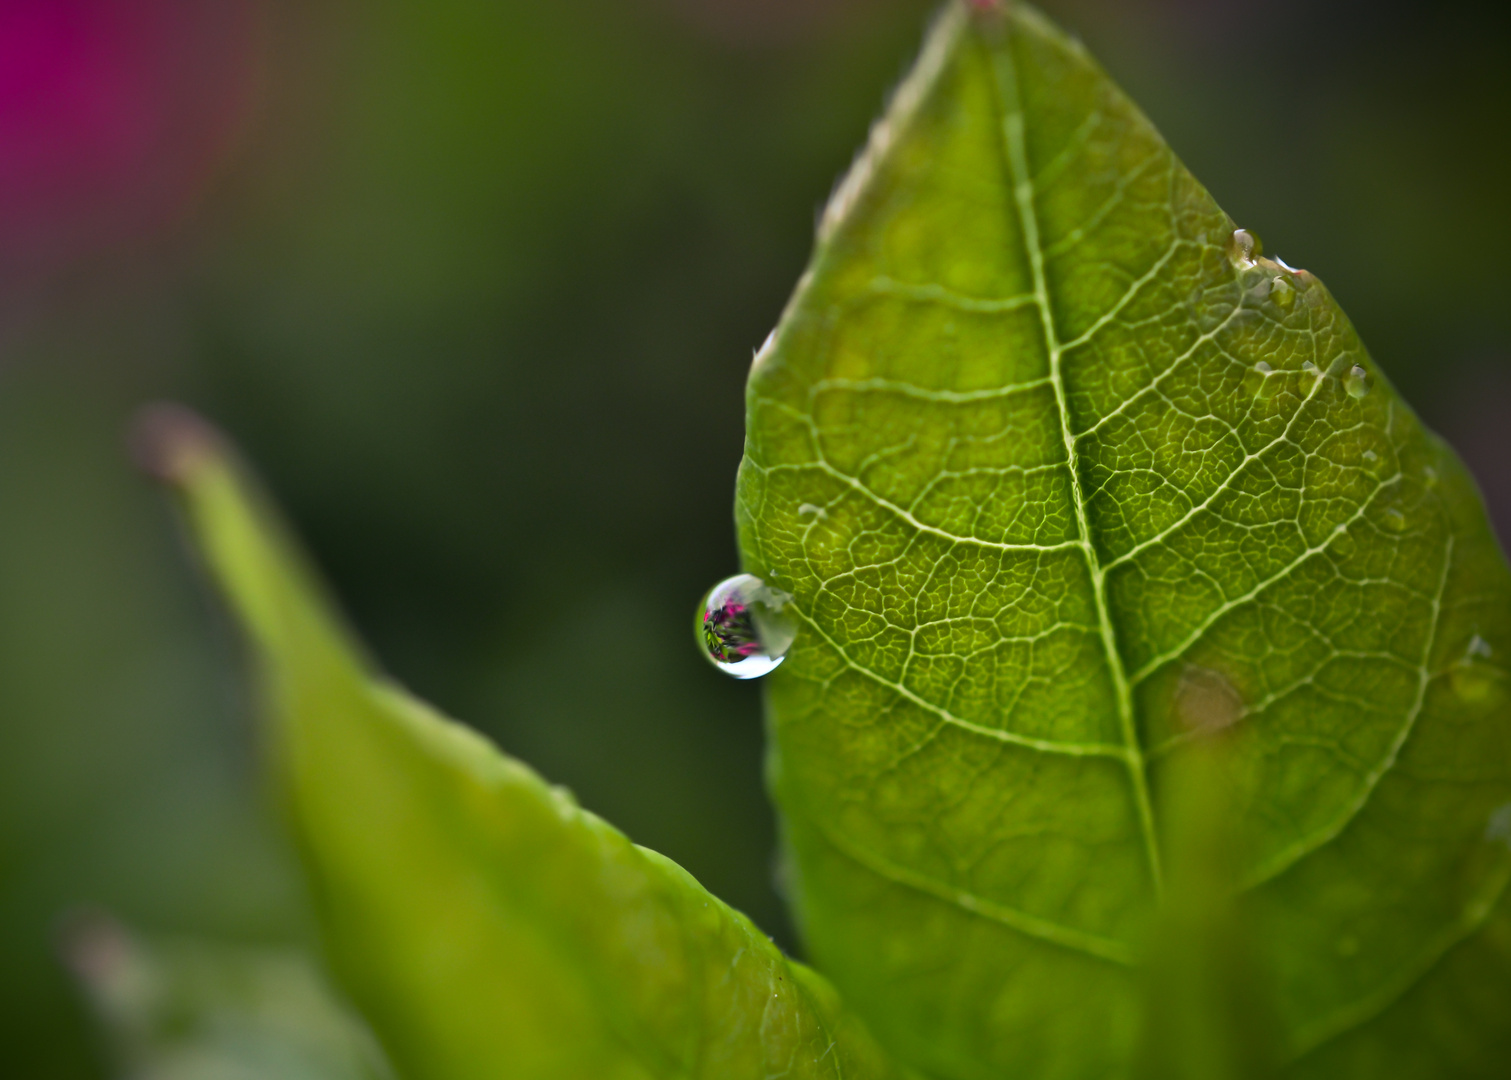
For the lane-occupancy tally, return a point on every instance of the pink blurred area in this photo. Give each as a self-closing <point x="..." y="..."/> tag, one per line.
<point x="113" y="116"/>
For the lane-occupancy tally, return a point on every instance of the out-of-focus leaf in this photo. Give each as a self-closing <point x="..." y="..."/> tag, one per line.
<point x="485" y="924"/>
<point x="1058" y="468"/>
<point x="194" y="1010"/>
<point x="1207" y="1010"/>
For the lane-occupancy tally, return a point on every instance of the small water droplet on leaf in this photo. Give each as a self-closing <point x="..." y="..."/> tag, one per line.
<point x="1357" y="382"/>
<point x="765" y="347"/>
<point x="1474" y="681"/>
<point x="1244" y="247"/>
<point x="808" y="509"/>
<point x="742" y="627"/>
<point x="1263" y="368"/>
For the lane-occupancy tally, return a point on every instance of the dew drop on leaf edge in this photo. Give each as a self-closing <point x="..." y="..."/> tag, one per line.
<point x="742" y="627"/>
<point x="1244" y="247"/>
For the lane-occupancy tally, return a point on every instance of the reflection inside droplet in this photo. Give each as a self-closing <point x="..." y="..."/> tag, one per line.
<point x="742" y="628"/>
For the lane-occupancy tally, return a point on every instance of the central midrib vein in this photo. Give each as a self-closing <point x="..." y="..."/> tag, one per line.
<point x="1006" y="73"/>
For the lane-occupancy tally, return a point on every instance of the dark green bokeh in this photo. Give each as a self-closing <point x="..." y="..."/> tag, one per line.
<point x="477" y="289"/>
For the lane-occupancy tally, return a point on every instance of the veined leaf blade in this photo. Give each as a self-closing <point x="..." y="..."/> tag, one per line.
<point x="1059" y="473"/>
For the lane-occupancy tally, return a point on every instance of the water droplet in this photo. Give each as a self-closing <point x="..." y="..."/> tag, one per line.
<point x="1474" y="681"/>
<point x="1395" y="520"/>
<point x="1244" y="247"/>
<point x="765" y="348"/>
<point x="1356" y="382"/>
<point x="1282" y="292"/>
<point x="1311" y="369"/>
<point x="1430" y="476"/>
<point x="1370" y="455"/>
<point x="1263" y="368"/>
<point x="742" y="628"/>
<point x="808" y="509"/>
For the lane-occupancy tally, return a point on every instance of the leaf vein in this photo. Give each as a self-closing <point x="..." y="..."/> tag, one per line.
<point x="1047" y="746"/>
<point x="1095" y="945"/>
<point x="1020" y="174"/>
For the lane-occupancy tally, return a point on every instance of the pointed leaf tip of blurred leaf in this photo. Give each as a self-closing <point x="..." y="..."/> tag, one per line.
<point x="166" y="440"/>
<point x="484" y="923"/>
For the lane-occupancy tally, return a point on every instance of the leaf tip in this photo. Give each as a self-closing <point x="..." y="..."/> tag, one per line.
<point x="904" y="103"/>
<point x="168" y="442"/>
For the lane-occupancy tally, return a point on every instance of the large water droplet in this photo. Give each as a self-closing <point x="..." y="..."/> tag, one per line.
<point x="1356" y="382"/>
<point x="742" y="628"/>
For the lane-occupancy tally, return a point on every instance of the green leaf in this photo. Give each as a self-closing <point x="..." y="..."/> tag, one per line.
<point x="1061" y="471"/>
<point x="485" y="925"/>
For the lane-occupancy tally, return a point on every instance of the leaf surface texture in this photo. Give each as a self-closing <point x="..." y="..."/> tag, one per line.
<point x="1064" y="475"/>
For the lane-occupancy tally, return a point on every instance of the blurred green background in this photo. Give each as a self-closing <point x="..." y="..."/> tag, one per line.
<point x="476" y="286"/>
